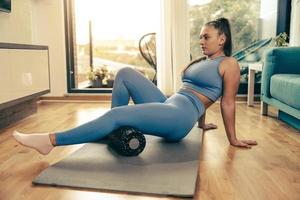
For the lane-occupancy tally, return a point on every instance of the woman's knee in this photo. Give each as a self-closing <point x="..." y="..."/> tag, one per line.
<point x="125" y="73"/>
<point x="112" y="114"/>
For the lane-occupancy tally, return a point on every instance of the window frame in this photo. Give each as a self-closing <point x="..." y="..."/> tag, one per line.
<point x="69" y="38"/>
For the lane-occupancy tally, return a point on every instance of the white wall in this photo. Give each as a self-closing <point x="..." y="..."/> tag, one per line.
<point x="48" y="29"/>
<point x="15" y="27"/>
<point x="39" y="22"/>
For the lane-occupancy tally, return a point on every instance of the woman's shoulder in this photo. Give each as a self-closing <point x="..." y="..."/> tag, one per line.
<point x="229" y="64"/>
<point x="229" y="60"/>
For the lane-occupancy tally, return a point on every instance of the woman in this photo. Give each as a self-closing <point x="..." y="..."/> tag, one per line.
<point x="204" y="81"/>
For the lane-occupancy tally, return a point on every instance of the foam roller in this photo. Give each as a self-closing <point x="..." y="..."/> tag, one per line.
<point x="127" y="141"/>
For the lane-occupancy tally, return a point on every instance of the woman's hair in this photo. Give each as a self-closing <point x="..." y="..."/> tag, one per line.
<point x="223" y="26"/>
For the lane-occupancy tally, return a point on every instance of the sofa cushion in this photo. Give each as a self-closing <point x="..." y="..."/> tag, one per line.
<point x="286" y="88"/>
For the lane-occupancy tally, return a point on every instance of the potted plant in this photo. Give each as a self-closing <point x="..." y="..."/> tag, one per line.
<point x="280" y="40"/>
<point x="110" y="79"/>
<point x="96" y="76"/>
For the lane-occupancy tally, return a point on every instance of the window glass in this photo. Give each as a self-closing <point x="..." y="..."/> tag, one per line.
<point x="106" y="38"/>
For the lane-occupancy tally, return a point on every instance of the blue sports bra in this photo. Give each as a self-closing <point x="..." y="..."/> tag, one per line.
<point x="204" y="77"/>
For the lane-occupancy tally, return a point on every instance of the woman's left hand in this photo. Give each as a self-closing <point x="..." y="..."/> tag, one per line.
<point x="209" y="126"/>
<point x="243" y="143"/>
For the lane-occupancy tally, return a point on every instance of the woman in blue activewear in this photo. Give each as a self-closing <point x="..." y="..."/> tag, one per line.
<point x="203" y="82"/>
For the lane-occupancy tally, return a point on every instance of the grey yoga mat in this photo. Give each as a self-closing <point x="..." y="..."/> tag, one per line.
<point x="162" y="168"/>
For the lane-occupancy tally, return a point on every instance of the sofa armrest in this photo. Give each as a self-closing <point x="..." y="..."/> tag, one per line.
<point x="279" y="60"/>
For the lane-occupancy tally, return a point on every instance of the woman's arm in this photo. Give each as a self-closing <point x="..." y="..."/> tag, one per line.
<point x="231" y="77"/>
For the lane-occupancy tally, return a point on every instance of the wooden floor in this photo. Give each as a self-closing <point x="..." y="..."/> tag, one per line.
<point x="270" y="170"/>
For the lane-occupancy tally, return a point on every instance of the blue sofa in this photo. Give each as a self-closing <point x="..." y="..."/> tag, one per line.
<point x="280" y="84"/>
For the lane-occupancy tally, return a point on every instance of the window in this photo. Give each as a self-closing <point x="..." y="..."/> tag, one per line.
<point x="105" y="37"/>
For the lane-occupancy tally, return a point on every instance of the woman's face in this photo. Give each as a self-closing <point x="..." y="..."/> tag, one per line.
<point x="210" y="40"/>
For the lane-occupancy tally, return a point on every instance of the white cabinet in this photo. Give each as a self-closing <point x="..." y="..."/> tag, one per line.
<point x="24" y="76"/>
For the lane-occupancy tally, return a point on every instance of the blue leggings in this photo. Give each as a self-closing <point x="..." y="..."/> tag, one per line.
<point x="170" y="118"/>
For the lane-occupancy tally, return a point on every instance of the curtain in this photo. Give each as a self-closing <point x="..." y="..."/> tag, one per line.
<point x="295" y="24"/>
<point x="173" y="39"/>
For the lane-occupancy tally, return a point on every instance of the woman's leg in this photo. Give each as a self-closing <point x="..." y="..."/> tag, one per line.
<point x="131" y="83"/>
<point x="128" y="83"/>
<point x="150" y="118"/>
